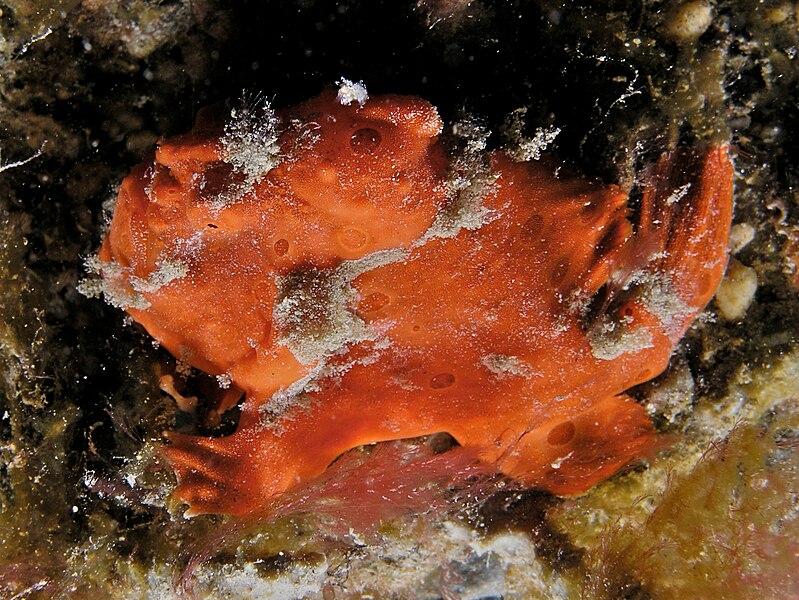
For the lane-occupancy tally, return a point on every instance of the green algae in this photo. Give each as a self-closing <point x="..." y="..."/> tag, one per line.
<point x="33" y="433"/>
<point x="724" y="529"/>
<point x="714" y="517"/>
<point x="34" y="19"/>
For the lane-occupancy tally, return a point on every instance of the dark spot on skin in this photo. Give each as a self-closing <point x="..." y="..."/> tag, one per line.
<point x="365" y="140"/>
<point x="531" y="230"/>
<point x="442" y="380"/>
<point x="560" y="271"/>
<point x="373" y="302"/>
<point x="560" y="434"/>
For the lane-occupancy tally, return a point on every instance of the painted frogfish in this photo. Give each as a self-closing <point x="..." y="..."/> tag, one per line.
<point x="357" y="278"/>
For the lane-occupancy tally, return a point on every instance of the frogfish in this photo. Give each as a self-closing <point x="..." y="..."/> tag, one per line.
<point x="356" y="276"/>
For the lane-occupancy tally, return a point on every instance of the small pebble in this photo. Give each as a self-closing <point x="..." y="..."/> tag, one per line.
<point x="737" y="290"/>
<point x="741" y="235"/>
<point x="779" y="14"/>
<point x="689" y="20"/>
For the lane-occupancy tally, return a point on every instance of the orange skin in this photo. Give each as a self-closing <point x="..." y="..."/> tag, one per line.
<point x="493" y="334"/>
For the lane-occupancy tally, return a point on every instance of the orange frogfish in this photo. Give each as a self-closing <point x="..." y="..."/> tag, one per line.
<point x="358" y="279"/>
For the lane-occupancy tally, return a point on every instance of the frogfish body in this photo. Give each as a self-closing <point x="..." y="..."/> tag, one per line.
<point x="359" y="282"/>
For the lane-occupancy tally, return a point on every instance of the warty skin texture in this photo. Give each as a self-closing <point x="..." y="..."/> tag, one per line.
<point x="517" y="332"/>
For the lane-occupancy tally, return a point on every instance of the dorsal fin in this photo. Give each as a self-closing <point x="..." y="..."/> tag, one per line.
<point x="679" y="248"/>
<point x="576" y="229"/>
